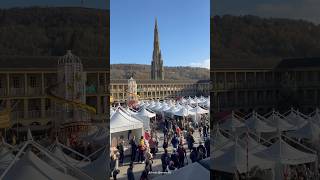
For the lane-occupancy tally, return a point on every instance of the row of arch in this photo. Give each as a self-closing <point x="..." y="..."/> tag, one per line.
<point x="34" y="123"/>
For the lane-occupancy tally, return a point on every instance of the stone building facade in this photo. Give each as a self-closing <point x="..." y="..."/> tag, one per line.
<point x="261" y="85"/>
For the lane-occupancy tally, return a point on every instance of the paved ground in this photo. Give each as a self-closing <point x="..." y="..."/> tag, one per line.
<point x="156" y="166"/>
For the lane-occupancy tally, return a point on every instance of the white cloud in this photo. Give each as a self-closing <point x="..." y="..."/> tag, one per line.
<point x="202" y="63"/>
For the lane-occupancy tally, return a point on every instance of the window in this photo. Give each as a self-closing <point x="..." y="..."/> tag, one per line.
<point x="16" y="82"/>
<point x="33" y="82"/>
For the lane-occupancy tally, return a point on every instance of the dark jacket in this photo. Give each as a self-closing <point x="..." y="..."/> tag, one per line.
<point x="165" y="158"/>
<point x="130" y="174"/>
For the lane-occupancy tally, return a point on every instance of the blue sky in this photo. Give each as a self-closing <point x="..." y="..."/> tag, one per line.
<point x="100" y="4"/>
<point x="184" y="31"/>
<point x="293" y="9"/>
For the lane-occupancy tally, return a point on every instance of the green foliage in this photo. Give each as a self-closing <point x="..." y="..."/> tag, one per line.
<point x="251" y="36"/>
<point x="50" y="31"/>
<point x="121" y="71"/>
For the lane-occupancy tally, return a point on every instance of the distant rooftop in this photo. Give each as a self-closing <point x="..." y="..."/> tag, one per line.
<point x="298" y="63"/>
<point x="23" y="63"/>
<point x="266" y="63"/>
<point x="250" y="63"/>
<point x="149" y="81"/>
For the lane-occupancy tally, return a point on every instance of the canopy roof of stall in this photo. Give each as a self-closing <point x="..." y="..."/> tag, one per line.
<point x="145" y="113"/>
<point x="286" y="154"/>
<point x="199" y="110"/>
<point x="120" y="121"/>
<point x="256" y="123"/>
<point x="309" y="131"/>
<point x="231" y="123"/>
<point x="235" y="158"/>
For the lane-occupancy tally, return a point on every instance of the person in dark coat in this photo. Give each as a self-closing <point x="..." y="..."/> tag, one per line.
<point x="205" y="131"/>
<point x="130" y="174"/>
<point x="165" y="159"/>
<point x="190" y="141"/>
<point x="121" y="151"/>
<point x="145" y="175"/>
<point x="165" y="143"/>
<point x="202" y="149"/>
<point x="134" y="148"/>
<point x="175" y="158"/>
<point x="207" y="146"/>
<point x="201" y="154"/>
<point x="182" y="154"/>
<point x="165" y="132"/>
<point x="194" y="155"/>
<point x="175" y="141"/>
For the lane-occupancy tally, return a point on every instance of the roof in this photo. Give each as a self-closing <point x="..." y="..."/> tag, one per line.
<point x="249" y="63"/>
<point x="295" y="63"/>
<point x="25" y="63"/>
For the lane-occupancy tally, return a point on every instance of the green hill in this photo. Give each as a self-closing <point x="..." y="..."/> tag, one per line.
<point x="139" y="71"/>
<point x="50" y="31"/>
<point x="252" y="36"/>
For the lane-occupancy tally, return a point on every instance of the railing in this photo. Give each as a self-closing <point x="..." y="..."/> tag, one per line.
<point x="15" y="115"/>
<point x="34" y="91"/>
<point x="17" y="92"/>
<point x="34" y="114"/>
<point x="258" y="84"/>
<point x="3" y="92"/>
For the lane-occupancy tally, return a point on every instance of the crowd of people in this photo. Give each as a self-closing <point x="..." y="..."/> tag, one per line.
<point x="176" y="133"/>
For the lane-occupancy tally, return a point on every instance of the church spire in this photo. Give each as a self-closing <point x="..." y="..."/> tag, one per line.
<point x="157" y="62"/>
<point x="156" y="42"/>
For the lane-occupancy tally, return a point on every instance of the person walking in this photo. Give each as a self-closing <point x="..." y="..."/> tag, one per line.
<point x="148" y="160"/>
<point x="141" y="147"/>
<point x="152" y="145"/>
<point x="194" y="155"/>
<point x="190" y="141"/>
<point x="200" y="131"/>
<point x="165" y="159"/>
<point x="175" y="158"/>
<point x="202" y="149"/>
<point x="207" y="146"/>
<point x="165" y="143"/>
<point x="134" y="148"/>
<point x="121" y="151"/>
<point x="165" y="132"/>
<point x="205" y="131"/>
<point x="201" y="154"/>
<point x="144" y="175"/>
<point x="182" y="154"/>
<point x="175" y="141"/>
<point x="130" y="174"/>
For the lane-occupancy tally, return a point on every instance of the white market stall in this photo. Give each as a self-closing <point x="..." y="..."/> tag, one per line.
<point x="121" y="123"/>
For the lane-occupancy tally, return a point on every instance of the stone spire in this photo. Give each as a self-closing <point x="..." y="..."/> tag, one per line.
<point x="157" y="71"/>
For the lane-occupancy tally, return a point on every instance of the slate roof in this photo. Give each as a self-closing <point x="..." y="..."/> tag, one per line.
<point x="298" y="63"/>
<point x="250" y="63"/>
<point x="23" y="63"/>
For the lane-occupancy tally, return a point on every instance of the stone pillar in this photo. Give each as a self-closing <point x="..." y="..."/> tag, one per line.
<point x="43" y="108"/>
<point x="25" y="108"/>
<point x="8" y="103"/>
<point x="25" y="84"/>
<point x="98" y="83"/>
<point x="236" y="101"/>
<point x="98" y="104"/>
<point x="8" y="85"/>
<point x="42" y="84"/>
